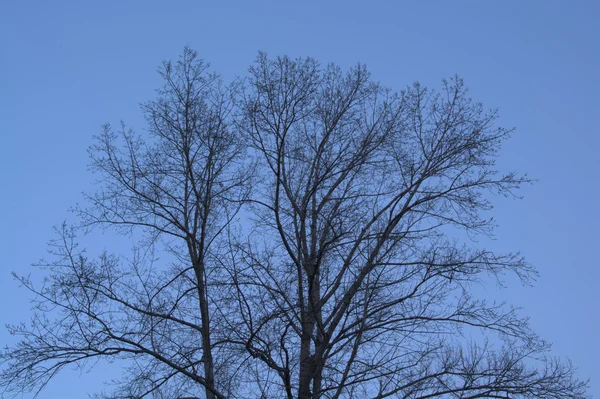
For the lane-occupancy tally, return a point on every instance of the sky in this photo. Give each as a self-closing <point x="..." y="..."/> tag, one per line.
<point x="67" y="67"/>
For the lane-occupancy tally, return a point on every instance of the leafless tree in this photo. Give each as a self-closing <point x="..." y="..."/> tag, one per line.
<point x="349" y="274"/>
<point x="367" y="293"/>
<point x="184" y="185"/>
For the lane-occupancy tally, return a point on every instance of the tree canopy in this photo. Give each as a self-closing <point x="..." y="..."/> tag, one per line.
<point x="315" y="225"/>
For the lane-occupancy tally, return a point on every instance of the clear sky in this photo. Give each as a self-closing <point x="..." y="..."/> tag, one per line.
<point x="66" y="67"/>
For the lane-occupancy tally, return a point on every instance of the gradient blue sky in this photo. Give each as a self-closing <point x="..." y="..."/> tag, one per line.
<point x="66" y="67"/>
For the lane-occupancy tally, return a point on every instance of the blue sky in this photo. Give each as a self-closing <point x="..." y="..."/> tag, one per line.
<point x="66" y="67"/>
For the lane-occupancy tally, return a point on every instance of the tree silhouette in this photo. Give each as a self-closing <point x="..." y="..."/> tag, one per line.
<point x="316" y="223"/>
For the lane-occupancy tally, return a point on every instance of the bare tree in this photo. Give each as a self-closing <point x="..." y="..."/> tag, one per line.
<point x="184" y="185"/>
<point x="349" y="274"/>
<point x="368" y="293"/>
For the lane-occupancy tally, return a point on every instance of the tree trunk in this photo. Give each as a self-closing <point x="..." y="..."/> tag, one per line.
<point x="307" y="361"/>
<point x="207" y="357"/>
